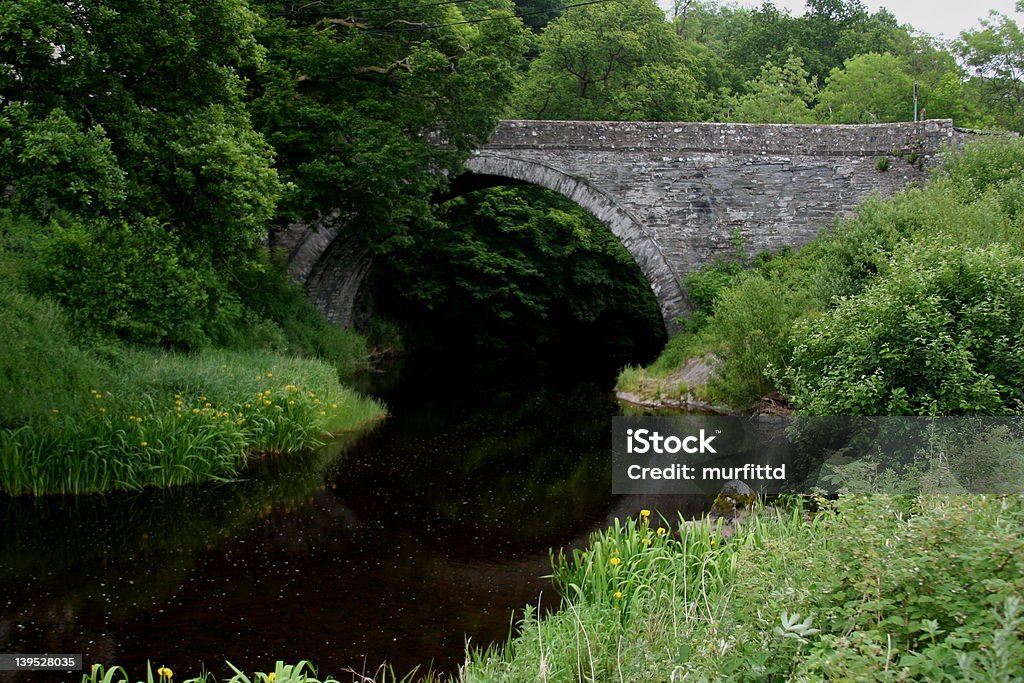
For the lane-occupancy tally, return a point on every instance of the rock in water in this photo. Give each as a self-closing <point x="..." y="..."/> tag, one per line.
<point x="734" y="501"/>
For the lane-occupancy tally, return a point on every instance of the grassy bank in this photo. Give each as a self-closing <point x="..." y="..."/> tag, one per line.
<point x="912" y="306"/>
<point x="864" y="589"/>
<point x="84" y="416"/>
<point x="163" y="419"/>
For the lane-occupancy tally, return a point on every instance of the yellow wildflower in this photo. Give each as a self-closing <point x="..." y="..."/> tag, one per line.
<point x="271" y="676"/>
<point x="661" y="530"/>
<point x="615" y="561"/>
<point x="270" y="374"/>
<point x="618" y="595"/>
<point x="145" y="443"/>
<point x="164" y="672"/>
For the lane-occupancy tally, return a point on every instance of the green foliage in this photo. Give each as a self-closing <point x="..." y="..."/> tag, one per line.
<point x="134" y="111"/>
<point x="303" y="672"/>
<point x="520" y="267"/>
<point x="885" y="589"/>
<point x="123" y="280"/>
<point x="41" y="367"/>
<point x="610" y="61"/>
<point x="266" y="291"/>
<point x="995" y="56"/>
<point x="779" y="95"/>
<point x="941" y="334"/>
<point x="58" y="165"/>
<point x="347" y="104"/>
<point x="984" y="164"/>
<point x="751" y="330"/>
<point x="160" y="419"/>
<point x="869" y="88"/>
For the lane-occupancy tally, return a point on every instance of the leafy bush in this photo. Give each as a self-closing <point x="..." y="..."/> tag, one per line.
<point x="985" y="163"/>
<point x="865" y="588"/>
<point x="942" y="334"/>
<point x="751" y="328"/>
<point x="125" y="280"/>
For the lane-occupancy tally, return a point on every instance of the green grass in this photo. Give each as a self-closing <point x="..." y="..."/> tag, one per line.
<point x="88" y="416"/>
<point x="864" y="589"/>
<point x="155" y="418"/>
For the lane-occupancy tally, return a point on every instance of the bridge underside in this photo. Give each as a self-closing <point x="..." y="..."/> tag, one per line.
<point x="489" y="170"/>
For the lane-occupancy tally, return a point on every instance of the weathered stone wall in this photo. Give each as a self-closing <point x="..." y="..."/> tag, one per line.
<point x="674" y="193"/>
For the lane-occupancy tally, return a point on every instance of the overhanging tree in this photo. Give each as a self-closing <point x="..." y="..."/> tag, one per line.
<point x="348" y="95"/>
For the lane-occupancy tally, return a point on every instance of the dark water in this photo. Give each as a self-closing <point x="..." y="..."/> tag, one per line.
<point x="398" y="547"/>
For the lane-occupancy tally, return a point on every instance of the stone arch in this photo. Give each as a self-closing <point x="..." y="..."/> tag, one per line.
<point x="665" y="282"/>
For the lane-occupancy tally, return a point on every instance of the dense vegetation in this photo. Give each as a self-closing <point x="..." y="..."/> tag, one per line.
<point x="865" y="589"/>
<point x="520" y="270"/>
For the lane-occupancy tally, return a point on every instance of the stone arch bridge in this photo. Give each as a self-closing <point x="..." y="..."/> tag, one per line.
<point x="676" y="194"/>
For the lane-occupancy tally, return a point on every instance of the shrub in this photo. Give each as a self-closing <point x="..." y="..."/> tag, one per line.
<point x="942" y="334"/>
<point x="124" y="280"/>
<point x="751" y="326"/>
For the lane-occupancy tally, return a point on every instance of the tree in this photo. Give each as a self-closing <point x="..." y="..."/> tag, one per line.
<point x="349" y="99"/>
<point x="870" y="88"/>
<point x="779" y="95"/>
<point x="994" y="55"/>
<point x="611" y="61"/>
<point x="134" y="109"/>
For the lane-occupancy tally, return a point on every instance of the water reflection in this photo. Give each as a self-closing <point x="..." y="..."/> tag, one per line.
<point x="435" y="526"/>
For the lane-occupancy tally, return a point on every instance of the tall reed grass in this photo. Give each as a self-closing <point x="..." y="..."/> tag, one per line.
<point x="163" y="419"/>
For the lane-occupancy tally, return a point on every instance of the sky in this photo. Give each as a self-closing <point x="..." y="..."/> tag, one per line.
<point x="946" y="17"/>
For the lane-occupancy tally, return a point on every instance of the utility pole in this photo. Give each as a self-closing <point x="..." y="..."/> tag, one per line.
<point x="915" y="101"/>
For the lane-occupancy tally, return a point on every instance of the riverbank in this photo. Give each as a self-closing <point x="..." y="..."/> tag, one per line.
<point x="153" y="418"/>
<point x="858" y="589"/>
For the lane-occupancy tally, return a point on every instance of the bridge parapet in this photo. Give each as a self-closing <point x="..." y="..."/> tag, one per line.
<point x="731" y="138"/>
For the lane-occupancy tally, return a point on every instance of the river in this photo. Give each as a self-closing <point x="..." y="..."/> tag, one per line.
<point x="396" y="546"/>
